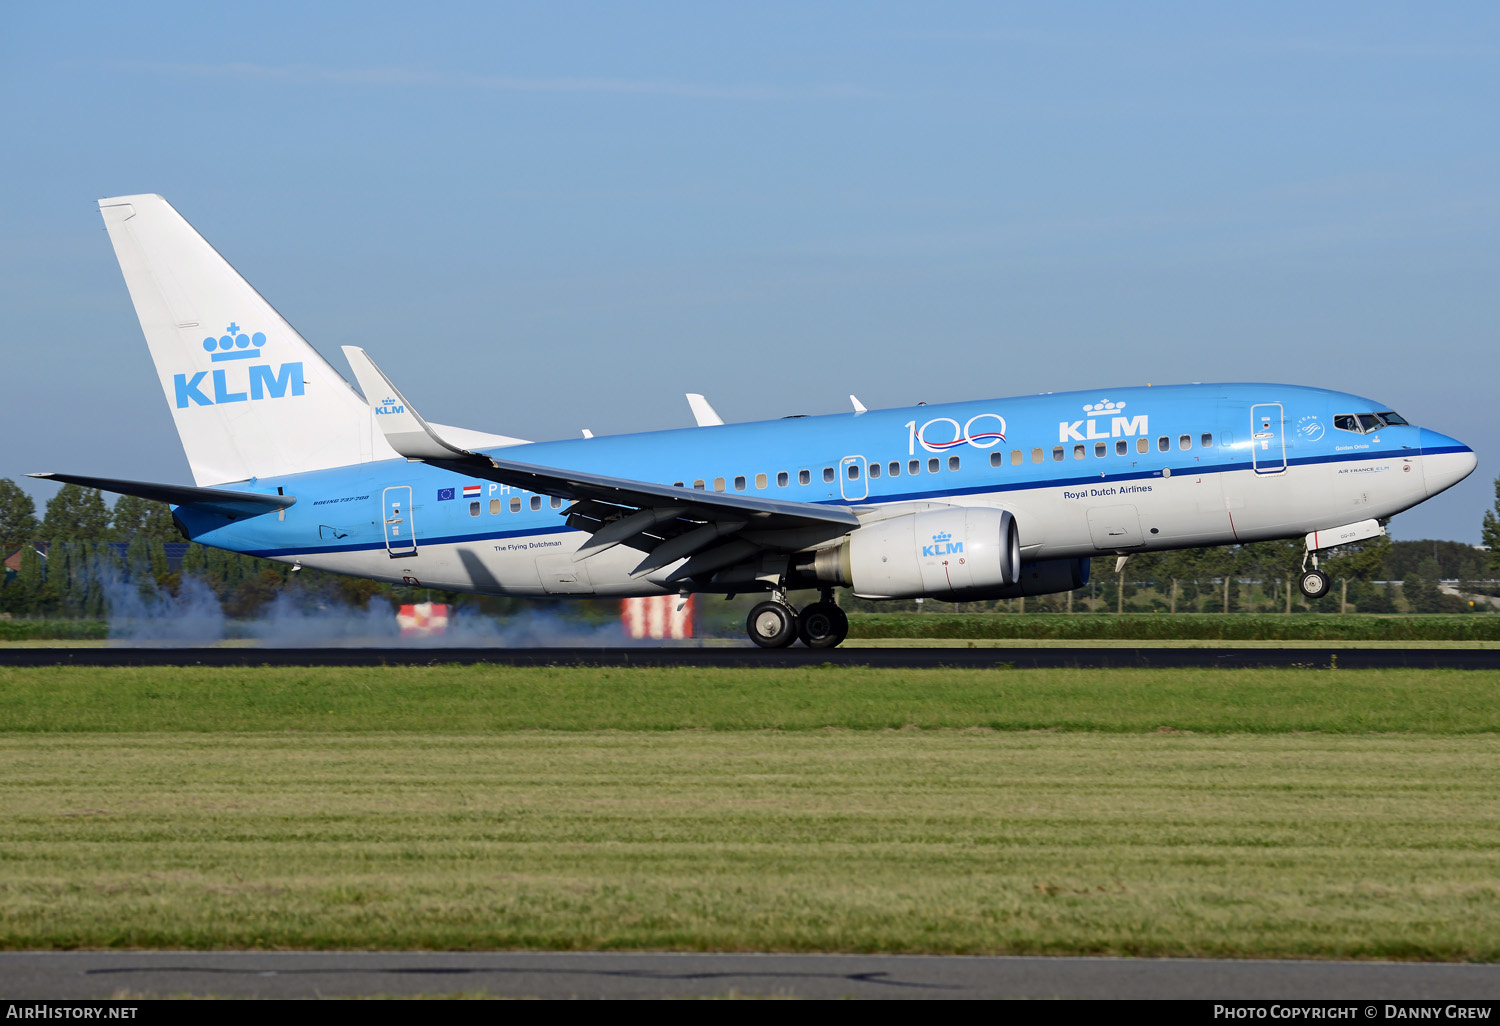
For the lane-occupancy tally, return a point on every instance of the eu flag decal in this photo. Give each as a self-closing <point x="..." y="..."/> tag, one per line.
<point x="445" y="493"/>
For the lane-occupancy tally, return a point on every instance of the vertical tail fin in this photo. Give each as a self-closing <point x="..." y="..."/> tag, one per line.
<point x="249" y="396"/>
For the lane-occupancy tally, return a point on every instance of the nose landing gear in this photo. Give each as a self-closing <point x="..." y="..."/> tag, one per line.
<point x="1313" y="583"/>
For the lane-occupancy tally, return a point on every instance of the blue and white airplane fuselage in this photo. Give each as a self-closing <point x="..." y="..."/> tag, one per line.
<point x="1078" y="485"/>
<point x="963" y="500"/>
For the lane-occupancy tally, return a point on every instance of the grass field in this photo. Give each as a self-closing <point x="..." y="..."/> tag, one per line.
<point x="1302" y="813"/>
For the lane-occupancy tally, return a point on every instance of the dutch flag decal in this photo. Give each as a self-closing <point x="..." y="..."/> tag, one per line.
<point x="471" y="491"/>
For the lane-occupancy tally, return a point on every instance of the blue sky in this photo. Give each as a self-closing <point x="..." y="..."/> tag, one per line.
<point x="544" y="217"/>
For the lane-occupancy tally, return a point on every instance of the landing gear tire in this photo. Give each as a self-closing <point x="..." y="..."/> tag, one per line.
<point x="1314" y="584"/>
<point x="822" y="625"/>
<point x="772" y="625"/>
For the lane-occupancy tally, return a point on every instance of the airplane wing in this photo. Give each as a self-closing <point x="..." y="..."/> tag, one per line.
<point x="665" y="522"/>
<point x="210" y="500"/>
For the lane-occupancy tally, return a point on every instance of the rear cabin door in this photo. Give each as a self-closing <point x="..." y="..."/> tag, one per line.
<point x="1267" y="438"/>
<point x="400" y="532"/>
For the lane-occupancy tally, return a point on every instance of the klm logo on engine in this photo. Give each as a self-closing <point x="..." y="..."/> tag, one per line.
<point x="942" y="545"/>
<point x="236" y="383"/>
<point x="1104" y="420"/>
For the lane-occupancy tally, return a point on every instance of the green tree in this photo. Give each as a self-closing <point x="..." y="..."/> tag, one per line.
<point x="1490" y="534"/>
<point x="136" y="517"/>
<point x="1361" y="563"/>
<point x="17" y="517"/>
<point x="76" y="514"/>
<point x="29" y="580"/>
<point x="1421" y="591"/>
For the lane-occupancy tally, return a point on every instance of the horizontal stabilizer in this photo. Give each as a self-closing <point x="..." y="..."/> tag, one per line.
<point x="209" y="500"/>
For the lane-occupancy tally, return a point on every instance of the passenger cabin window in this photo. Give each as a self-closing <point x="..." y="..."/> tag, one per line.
<point x="1164" y="444"/>
<point x="781" y="479"/>
<point x="1122" y="447"/>
<point x="874" y="469"/>
<point x="536" y="502"/>
<point x="1015" y="457"/>
<point x="557" y="501"/>
<point x="760" y="480"/>
<point x="1078" y="452"/>
<point x="494" y="505"/>
<point x="895" y="468"/>
<point x="1185" y="442"/>
<point x="853" y="471"/>
<point x="718" y="484"/>
<point x="932" y="466"/>
<point x="474" y="508"/>
<point x="953" y="462"/>
<point x="914" y="467"/>
<point x="1099" y="449"/>
<point x="515" y="504"/>
<point x="997" y="459"/>
<point x="1058" y="452"/>
<point x="739" y="483"/>
<point x="1207" y="440"/>
<point x="698" y="483"/>
<point x="1142" y="445"/>
<point x="676" y="484"/>
<point x="827" y="473"/>
<point x="804" y="477"/>
<point x="1036" y="455"/>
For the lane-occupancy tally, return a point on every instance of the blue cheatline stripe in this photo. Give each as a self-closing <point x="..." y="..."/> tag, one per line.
<point x="990" y="487"/>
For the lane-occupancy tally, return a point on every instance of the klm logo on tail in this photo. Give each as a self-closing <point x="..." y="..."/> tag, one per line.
<point x="236" y="384"/>
<point x="942" y="545"/>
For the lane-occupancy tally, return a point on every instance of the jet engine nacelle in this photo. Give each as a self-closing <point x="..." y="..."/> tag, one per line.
<point x="948" y="553"/>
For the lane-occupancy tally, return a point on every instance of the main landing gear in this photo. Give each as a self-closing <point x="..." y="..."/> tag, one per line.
<point x="775" y="624"/>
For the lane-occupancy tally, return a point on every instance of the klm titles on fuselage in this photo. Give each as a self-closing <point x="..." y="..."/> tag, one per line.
<point x="1119" y="426"/>
<point x="236" y="384"/>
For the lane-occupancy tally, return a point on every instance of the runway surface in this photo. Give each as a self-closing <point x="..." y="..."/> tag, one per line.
<point x="291" y="974"/>
<point x="896" y="658"/>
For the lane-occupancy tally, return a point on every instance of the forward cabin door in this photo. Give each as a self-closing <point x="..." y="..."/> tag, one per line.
<point x="400" y="532"/>
<point x="1267" y="438"/>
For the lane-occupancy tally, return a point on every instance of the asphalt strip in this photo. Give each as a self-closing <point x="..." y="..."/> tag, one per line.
<point x="83" y="975"/>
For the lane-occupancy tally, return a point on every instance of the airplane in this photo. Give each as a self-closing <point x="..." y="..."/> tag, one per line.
<point x="959" y="501"/>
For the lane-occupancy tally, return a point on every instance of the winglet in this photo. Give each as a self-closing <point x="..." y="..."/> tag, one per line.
<point x="703" y="412"/>
<point x="859" y="407"/>
<point x="403" y="426"/>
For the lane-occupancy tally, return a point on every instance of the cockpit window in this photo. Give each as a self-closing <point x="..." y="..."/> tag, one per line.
<point x="1364" y="423"/>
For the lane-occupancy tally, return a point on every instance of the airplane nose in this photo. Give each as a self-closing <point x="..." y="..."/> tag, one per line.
<point x="1445" y="461"/>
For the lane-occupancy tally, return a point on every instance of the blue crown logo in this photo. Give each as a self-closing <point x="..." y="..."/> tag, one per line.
<point x="234" y="344"/>
<point x="388" y="401"/>
<point x="941" y="537"/>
